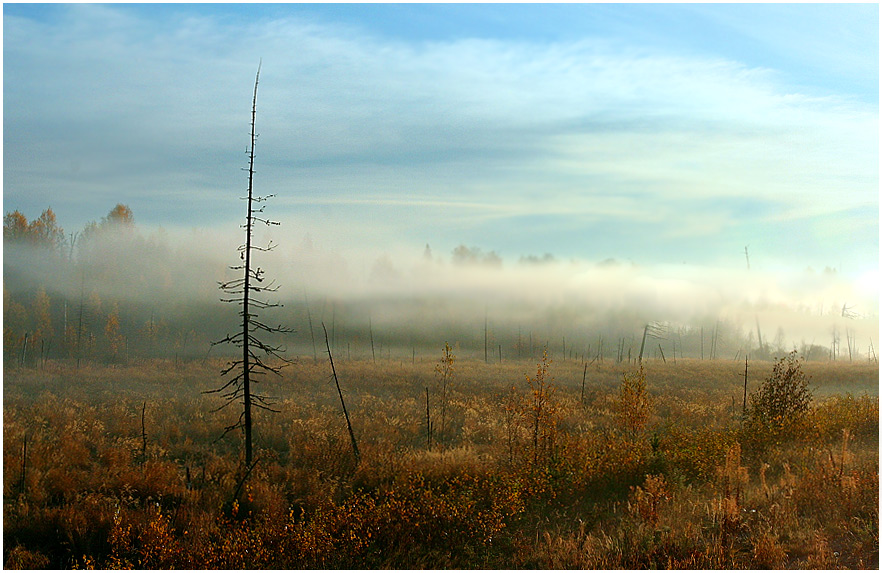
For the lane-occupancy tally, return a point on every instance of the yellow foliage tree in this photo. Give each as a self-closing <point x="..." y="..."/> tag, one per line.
<point x="120" y="215"/>
<point x="113" y="334"/>
<point x="15" y="321"/>
<point x="542" y="412"/>
<point x="42" y="231"/>
<point x="15" y="226"/>
<point x="445" y="370"/>
<point x="42" y="316"/>
<point x="45" y="231"/>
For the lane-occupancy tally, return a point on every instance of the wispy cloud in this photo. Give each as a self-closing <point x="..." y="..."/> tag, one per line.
<point x="409" y="140"/>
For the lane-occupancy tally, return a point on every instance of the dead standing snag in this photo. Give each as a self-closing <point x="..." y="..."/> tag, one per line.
<point x="243" y="291"/>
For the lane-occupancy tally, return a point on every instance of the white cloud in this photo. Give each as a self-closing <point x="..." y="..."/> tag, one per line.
<point x="465" y="132"/>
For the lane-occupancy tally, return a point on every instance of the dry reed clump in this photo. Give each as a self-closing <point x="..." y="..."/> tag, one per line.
<point x="660" y="526"/>
<point x="22" y="558"/>
<point x="821" y="555"/>
<point x="692" y="452"/>
<point x="838" y="485"/>
<point x="141" y="540"/>
<point x="634" y="405"/>
<point x="857" y="414"/>
<point x="480" y="422"/>
<point x="646" y="501"/>
<point x="732" y="479"/>
<point x="458" y="460"/>
<point x="603" y="459"/>
<point x="767" y="551"/>
<point x="320" y="443"/>
<point x="414" y="521"/>
<point x="392" y="421"/>
<point x="745" y="524"/>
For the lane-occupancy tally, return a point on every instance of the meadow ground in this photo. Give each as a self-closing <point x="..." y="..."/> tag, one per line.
<point x="117" y="466"/>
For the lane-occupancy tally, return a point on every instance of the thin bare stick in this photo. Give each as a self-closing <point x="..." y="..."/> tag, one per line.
<point x="371" y="330"/>
<point x="584" y="373"/>
<point x="248" y="469"/>
<point x="143" y="433"/>
<point x="428" y="422"/>
<point x="311" y="333"/>
<point x="24" y="462"/>
<point x="342" y="402"/>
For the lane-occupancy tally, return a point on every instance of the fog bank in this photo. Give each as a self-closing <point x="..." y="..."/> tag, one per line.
<point x="416" y="298"/>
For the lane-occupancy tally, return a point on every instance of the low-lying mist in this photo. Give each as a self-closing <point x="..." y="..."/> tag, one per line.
<point x="396" y="305"/>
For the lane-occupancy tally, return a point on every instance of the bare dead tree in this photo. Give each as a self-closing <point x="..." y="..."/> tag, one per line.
<point x="371" y="331"/>
<point x="713" y="352"/>
<point x="24" y="351"/>
<point x="759" y="338"/>
<point x="311" y="332"/>
<point x="485" y="334"/>
<point x="244" y="291"/>
<point x="80" y="319"/>
<point x="24" y="464"/>
<point x="653" y="330"/>
<point x="584" y="374"/>
<point x="428" y="422"/>
<point x="143" y="434"/>
<point x="342" y="402"/>
<point x="702" y="342"/>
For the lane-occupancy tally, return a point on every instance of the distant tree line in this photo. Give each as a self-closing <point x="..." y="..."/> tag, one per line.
<point x="104" y="293"/>
<point x="113" y="292"/>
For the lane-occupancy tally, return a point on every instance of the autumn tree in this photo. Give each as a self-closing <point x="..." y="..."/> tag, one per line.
<point x="542" y="412"/>
<point x="113" y="333"/>
<point x="244" y="292"/>
<point x="120" y="216"/>
<point x="111" y="253"/>
<point x="119" y="221"/>
<point x="15" y="320"/>
<point x="445" y="370"/>
<point x="777" y="410"/>
<point x="41" y="232"/>
<point x="36" y="246"/>
<point x="151" y="332"/>
<point x="42" y="316"/>
<point x="15" y="226"/>
<point x="45" y="231"/>
<point x="71" y="335"/>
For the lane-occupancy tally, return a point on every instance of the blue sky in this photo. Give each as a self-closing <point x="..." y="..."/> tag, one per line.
<point x="660" y="134"/>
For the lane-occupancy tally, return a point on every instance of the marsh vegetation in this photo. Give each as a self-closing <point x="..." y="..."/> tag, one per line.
<point x="120" y="466"/>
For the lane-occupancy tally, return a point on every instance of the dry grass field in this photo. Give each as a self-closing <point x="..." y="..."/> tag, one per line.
<point x="527" y="467"/>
